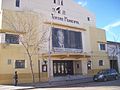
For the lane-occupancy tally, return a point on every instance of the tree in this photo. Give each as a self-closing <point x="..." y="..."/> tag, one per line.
<point x="31" y="30"/>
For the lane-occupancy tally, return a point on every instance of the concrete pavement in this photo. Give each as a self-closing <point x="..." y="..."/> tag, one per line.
<point x="67" y="81"/>
<point x="54" y="82"/>
<point x="11" y="87"/>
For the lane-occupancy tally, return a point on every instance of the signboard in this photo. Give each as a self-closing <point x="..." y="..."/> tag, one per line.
<point x="65" y="19"/>
<point x="66" y="41"/>
<point x="68" y="50"/>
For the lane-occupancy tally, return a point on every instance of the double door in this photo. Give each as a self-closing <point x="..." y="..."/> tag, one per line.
<point x="62" y="68"/>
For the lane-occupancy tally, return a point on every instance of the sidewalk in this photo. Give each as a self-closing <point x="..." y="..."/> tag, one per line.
<point x="11" y="87"/>
<point x="62" y="81"/>
<point x="54" y="82"/>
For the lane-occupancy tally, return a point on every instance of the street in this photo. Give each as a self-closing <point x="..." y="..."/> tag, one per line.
<point x="91" y="85"/>
<point x="109" y="85"/>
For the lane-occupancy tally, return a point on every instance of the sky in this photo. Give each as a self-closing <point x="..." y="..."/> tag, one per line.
<point x="107" y="16"/>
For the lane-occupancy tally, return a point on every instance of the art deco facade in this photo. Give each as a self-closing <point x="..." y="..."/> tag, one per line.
<point x="74" y="47"/>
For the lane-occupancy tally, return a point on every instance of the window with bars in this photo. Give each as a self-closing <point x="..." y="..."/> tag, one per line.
<point x="102" y="46"/>
<point x="12" y="39"/>
<point x="19" y="64"/>
<point x="101" y="63"/>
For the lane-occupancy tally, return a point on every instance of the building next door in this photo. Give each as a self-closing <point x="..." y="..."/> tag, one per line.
<point x="114" y="64"/>
<point x="62" y="68"/>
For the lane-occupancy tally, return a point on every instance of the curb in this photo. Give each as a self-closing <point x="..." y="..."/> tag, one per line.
<point x="64" y="83"/>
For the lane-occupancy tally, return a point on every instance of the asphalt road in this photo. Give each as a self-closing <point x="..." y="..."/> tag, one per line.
<point x="109" y="85"/>
<point x="95" y="84"/>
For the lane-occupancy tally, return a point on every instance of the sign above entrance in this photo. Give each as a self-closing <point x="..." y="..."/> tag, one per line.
<point x="68" y="50"/>
<point x="64" y="19"/>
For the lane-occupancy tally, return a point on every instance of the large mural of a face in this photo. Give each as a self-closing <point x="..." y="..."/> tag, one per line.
<point x="60" y="36"/>
<point x="66" y="39"/>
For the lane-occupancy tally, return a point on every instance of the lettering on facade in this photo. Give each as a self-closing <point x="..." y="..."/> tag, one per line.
<point x="64" y="19"/>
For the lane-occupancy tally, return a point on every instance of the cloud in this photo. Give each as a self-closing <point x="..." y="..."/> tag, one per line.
<point x="113" y="25"/>
<point x="83" y="3"/>
<point x="109" y="30"/>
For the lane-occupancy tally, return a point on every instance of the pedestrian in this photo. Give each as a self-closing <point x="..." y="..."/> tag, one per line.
<point x="15" y="78"/>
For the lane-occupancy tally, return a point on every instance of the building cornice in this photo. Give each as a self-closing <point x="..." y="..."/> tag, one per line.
<point x="63" y="25"/>
<point x="10" y="31"/>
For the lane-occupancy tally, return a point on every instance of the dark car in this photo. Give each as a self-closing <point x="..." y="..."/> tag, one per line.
<point x="104" y="75"/>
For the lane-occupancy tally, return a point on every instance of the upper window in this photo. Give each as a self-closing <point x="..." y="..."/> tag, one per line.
<point x="59" y="2"/>
<point x="102" y="46"/>
<point x="12" y="39"/>
<point x="17" y="3"/>
<point x="54" y="1"/>
<point x="20" y="64"/>
<point x="88" y="18"/>
<point x="62" y="38"/>
<point x="101" y="63"/>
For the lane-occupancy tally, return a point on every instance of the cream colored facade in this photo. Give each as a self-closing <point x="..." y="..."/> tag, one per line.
<point x="74" y="18"/>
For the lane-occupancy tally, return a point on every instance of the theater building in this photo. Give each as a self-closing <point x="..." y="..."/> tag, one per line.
<point x="75" y="46"/>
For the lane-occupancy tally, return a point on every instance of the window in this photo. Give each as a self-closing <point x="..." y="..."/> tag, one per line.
<point x="55" y="1"/>
<point x="12" y="39"/>
<point x="101" y="63"/>
<point x="62" y="38"/>
<point x="61" y="2"/>
<point x="78" y="66"/>
<point x="102" y="46"/>
<point x="88" y="18"/>
<point x="17" y="3"/>
<point x="20" y="64"/>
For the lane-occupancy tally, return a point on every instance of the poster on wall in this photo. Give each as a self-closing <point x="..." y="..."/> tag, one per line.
<point x="44" y="68"/>
<point x="66" y="40"/>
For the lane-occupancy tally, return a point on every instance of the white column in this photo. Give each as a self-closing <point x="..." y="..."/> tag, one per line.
<point x="51" y="68"/>
<point x="84" y="67"/>
<point x="2" y="37"/>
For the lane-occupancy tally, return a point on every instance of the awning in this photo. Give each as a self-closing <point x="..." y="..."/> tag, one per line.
<point x="66" y="55"/>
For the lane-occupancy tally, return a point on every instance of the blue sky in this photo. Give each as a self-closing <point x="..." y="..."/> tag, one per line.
<point x="107" y="16"/>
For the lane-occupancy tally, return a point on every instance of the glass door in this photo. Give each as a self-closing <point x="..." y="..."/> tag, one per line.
<point x="61" y="68"/>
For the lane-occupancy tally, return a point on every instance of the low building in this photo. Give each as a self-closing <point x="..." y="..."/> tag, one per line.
<point x="113" y="49"/>
<point x="74" y="46"/>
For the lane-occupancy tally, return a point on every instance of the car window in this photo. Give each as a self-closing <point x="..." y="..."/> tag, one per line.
<point x="102" y="72"/>
<point x="113" y="71"/>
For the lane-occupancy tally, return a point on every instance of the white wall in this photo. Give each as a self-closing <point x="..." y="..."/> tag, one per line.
<point x="0" y="4"/>
<point x="72" y="9"/>
<point x="84" y="67"/>
<point x="0" y="14"/>
<point x="2" y="38"/>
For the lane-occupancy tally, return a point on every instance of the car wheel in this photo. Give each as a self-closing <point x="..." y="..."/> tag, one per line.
<point x="116" y="77"/>
<point x="104" y="79"/>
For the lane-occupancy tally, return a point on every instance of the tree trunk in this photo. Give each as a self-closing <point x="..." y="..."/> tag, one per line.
<point x="31" y="67"/>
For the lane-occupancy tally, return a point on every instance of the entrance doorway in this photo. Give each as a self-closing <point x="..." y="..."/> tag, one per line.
<point x="114" y="64"/>
<point x="62" y="68"/>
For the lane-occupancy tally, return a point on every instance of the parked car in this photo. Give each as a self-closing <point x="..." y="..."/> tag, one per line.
<point x="104" y="75"/>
